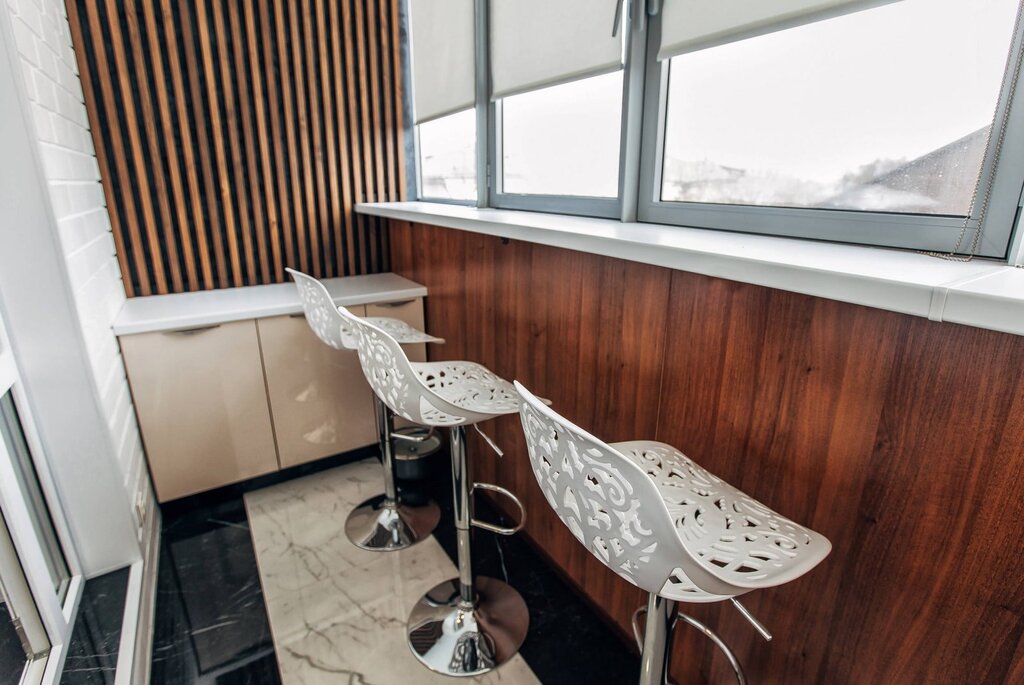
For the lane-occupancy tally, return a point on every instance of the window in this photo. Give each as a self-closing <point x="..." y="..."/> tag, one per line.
<point x="563" y="140"/>
<point x="869" y="127"/>
<point x="447" y="151"/>
<point x="861" y="121"/>
<point x="896" y="122"/>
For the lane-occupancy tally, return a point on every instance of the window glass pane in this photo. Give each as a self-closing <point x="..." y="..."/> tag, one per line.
<point x="24" y="467"/>
<point x="564" y="140"/>
<point x="448" y="157"/>
<point x="883" y="110"/>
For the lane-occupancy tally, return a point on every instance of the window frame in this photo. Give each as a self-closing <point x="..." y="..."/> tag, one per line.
<point x="496" y="197"/>
<point x="879" y="229"/>
<point x="641" y="153"/>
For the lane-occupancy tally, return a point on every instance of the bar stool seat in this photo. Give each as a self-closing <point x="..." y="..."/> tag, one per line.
<point x="728" y="532"/>
<point x="469" y="386"/>
<point x="383" y="523"/>
<point x="666" y="525"/>
<point x="400" y="331"/>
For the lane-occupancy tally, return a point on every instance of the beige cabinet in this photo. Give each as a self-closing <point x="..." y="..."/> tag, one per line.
<point x="202" y="406"/>
<point x="319" y="400"/>
<point x="221" y="404"/>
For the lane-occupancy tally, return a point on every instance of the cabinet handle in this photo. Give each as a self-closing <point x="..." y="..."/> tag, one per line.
<point x="300" y="315"/>
<point x="396" y="304"/>
<point x="193" y="331"/>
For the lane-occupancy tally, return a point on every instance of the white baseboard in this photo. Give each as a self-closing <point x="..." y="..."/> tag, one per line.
<point x="136" y="647"/>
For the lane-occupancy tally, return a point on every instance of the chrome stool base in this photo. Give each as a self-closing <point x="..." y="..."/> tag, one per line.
<point x="455" y="640"/>
<point x="383" y="525"/>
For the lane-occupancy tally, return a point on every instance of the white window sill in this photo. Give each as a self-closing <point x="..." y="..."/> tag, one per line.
<point x="979" y="293"/>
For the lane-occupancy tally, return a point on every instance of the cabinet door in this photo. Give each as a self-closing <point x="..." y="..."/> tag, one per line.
<point x="319" y="399"/>
<point x="202" y="406"/>
<point x="411" y="312"/>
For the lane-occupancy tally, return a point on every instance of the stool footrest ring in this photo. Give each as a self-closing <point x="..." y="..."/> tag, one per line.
<point x="741" y="678"/>
<point x="501" y="530"/>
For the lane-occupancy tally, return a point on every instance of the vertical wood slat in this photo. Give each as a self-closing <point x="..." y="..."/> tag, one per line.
<point x="252" y="177"/>
<point x="342" y="129"/>
<point x="152" y="144"/>
<point x="139" y="166"/>
<point x="355" y="147"/>
<point x="160" y="90"/>
<point x="256" y="76"/>
<point x="123" y="257"/>
<point x="203" y="143"/>
<point x="235" y="138"/>
<point x="184" y="128"/>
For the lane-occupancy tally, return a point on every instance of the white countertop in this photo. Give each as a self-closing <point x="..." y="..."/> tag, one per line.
<point x="209" y="307"/>
<point x="981" y="293"/>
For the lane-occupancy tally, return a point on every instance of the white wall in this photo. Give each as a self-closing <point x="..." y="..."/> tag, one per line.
<point x="60" y="288"/>
<point x="61" y="130"/>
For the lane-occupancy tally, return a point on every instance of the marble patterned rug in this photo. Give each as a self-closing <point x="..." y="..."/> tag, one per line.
<point x="337" y="613"/>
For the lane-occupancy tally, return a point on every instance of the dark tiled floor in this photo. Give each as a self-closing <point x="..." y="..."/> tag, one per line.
<point x="211" y="623"/>
<point x="96" y="636"/>
<point x="12" y="655"/>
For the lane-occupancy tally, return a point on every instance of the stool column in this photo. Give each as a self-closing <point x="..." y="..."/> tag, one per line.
<point x="385" y="427"/>
<point x="462" y="488"/>
<point x="661" y="615"/>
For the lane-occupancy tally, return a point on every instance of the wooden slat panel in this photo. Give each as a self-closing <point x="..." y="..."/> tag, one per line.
<point x="234" y="138"/>
<point x="190" y="170"/>
<point x="92" y="103"/>
<point x="161" y="90"/>
<point x="899" y="438"/>
<point x="218" y="229"/>
<point x="153" y="143"/>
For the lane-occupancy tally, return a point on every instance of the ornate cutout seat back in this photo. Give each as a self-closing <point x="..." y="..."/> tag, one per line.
<point x="430" y="394"/>
<point x="321" y="313"/>
<point x="611" y="506"/>
<point x="658" y="519"/>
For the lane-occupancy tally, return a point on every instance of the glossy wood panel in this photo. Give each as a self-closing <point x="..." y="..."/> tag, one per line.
<point x="899" y="438"/>
<point x="235" y="137"/>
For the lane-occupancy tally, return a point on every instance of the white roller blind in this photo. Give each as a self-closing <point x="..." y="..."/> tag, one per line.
<point x="689" y="25"/>
<point x="443" y="57"/>
<point x="538" y="43"/>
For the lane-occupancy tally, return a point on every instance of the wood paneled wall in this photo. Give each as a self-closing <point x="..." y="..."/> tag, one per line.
<point x="899" y="438"/>
<point x="234" y="136"/>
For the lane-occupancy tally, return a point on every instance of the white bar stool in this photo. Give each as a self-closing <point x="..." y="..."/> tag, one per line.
<point x="666" y="525"/>
<point x="468" y="625"/>
<point x="383" y="523"/>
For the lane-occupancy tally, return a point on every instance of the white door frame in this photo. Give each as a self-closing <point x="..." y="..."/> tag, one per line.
<point x="57" y="616"/>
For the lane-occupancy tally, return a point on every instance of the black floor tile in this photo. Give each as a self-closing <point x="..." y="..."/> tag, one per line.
<point x="96" y="636"/>
<point x="12" y="654"/>
<point x="211" y="622"/>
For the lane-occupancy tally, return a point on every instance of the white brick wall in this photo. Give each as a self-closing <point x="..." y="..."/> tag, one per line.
<point x="43" y="40"/>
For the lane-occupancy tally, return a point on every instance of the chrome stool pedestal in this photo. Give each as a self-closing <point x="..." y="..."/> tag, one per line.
<point x="467" y="626"/>
<point x="384" y="523"/>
